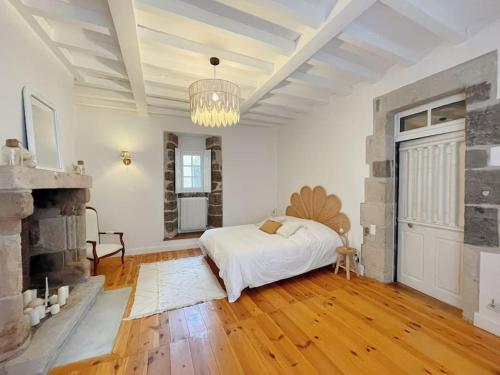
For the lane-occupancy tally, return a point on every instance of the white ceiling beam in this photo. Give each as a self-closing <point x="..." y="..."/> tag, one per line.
<point x="264" y="109"/>
<point x="99" y="66"/>
<point x="379" y="44"/>
<point x="100" y="103"/>
<point x="96" y="93"/>
<point x="166" y="92"/>
<point x="291" y="14"/>
<point x="106" y="84"/>
<point x="348" y="65"/>
<point x="321" y="82"/>
<point x="199" y="70"/>
<point x="302" y="91"/>
<point x="266" y="119"/>
<point x="84" y="43"/>
<point x="47" y="39"/>
<point x="60" y="11"/>
<point x="423" y="16"/>
<point x="192" y="12"/>
<point x="166" y="103"/>
<point x="155" y="36"/>
<point x="168" y="112"/>
<point x="122" y="12"/>
<point x="289" y="102"/>
<point x="341" y="15"/>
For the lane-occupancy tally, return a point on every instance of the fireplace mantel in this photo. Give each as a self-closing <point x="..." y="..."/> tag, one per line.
<point x="24" y="178"/>
<point x="59" y="226"/>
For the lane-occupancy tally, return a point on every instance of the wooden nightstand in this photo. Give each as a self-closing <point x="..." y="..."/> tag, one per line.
<point x="345" y="260"/>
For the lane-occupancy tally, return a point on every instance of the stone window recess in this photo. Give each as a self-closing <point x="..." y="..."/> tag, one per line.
<point x="213" y="191"/>
<point x="478" y="79"/>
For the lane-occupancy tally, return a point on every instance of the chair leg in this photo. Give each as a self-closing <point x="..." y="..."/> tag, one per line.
<point x="123" y="254"/>
<point x="96" y="262"/>
<point x="337" y="265"/>
<point x="347" y="267"/>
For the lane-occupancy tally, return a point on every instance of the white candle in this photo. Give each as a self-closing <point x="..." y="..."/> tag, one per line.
<point x="54" y="309"/>
<point x="40" y="311"/>
<point x="34" y="293"/>
<point x="53" y="299"/>
<point x="63" y="291"/>
<point x="61" y="299"/>
<point x="27" y="297"/>
<point x="46" y="291"/>
<point x="34" y="316"/>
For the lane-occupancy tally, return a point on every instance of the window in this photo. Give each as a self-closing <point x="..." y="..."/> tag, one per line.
<point x="437" y="117"/>
<point x="191" y="172"/>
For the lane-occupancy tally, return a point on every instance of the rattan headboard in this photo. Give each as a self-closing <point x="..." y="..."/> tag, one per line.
<point x="315" y="204"/>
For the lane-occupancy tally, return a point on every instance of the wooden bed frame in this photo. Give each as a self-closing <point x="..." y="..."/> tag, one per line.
<point x="312" y="204"/>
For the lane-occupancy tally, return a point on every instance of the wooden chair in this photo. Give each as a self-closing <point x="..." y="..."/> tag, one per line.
<point x="95" y="249"/>
<point x="345" y="260"/>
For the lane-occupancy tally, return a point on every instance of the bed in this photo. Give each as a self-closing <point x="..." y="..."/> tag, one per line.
<point x="244" y="256"/>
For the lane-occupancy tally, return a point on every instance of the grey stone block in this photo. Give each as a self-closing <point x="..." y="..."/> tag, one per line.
<point x="477" y="93"/>
<point x="476" y="158"/>
<point x="483" y="126"/>
<point x="376" y="213"/>
<point x="382" y="168"/>
<point x="379" y="189"/>
<point x="482" y="186"/>
<point x="481" y="226"/>
<point x="15" y="205"/>
<point x="52" y="232"/>
<point x="11" y="272"/>
<point x="379" y="147"/>
<point x="470" y="281"/>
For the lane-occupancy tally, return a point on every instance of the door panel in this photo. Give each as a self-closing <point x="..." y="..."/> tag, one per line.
<point x="430" y="222"/>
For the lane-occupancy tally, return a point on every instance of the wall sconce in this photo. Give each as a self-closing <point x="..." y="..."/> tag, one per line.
<point x="126" y="157"/>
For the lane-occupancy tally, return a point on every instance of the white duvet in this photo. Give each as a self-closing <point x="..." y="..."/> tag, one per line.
<point x="249" y="257"/>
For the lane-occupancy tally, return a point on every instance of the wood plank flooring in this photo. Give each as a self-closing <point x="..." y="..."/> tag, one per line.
<point x="318" y="323"/>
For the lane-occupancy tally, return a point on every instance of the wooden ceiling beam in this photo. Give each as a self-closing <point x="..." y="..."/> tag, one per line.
<point x="343" y="14"/>
<point x="277" y="43"/>
<point x="123" y="14"/>
<point x="155" y="36"/>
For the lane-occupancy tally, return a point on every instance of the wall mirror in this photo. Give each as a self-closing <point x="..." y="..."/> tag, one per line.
<point x="42" y="131"/>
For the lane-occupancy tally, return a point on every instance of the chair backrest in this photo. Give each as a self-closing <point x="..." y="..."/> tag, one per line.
<point x="92" y="224"/>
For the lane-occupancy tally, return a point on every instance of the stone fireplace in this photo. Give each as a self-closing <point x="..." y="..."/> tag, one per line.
<point x="42" y="233"/>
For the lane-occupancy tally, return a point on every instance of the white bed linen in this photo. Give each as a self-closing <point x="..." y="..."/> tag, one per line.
<point x="249" y="257"/>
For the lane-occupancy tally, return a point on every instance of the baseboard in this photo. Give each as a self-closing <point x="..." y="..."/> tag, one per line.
<point x="171" y="245"/>
<point x="486" y="323"/>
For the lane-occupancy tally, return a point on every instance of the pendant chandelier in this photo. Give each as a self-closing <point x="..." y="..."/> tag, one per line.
<point x="214" y="102"/>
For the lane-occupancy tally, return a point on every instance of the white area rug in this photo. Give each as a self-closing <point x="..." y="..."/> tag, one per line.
<point x="173" y="284"/>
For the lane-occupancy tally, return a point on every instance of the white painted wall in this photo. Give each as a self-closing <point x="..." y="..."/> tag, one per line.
<point x="130" y="199"/>
<point x="195" y="143"/>
<point x="327" y="146"/>
<point x="486" y="317"/>
<point x="26" y="61"/>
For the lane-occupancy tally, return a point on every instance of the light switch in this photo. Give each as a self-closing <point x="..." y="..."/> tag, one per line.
<point x="495" y="156"/>
<point x="373" y="229"/>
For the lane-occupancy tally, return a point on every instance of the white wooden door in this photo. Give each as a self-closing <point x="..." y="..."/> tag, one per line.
<point x="431" y="211"/>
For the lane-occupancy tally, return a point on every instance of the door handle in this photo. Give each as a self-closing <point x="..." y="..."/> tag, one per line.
<point x="410" y="225"/>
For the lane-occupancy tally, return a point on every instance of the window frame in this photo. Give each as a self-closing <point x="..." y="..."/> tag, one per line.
<point x="429" y="129"/>
<point x="193" y="189"/>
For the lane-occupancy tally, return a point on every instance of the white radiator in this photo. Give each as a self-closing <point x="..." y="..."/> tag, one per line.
<point x="192" y="214"/>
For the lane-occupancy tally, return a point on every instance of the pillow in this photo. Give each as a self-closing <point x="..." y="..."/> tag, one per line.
<point x="289" y="228"/>
<point x="280" y="219"/>
<point x="270" y="226"/>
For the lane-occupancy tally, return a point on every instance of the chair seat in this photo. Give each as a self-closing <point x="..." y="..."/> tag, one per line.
<point x="345" y="250"/>
<point x="103" y="249"/>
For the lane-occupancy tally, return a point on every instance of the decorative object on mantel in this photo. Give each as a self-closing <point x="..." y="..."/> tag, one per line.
<point x="214" y="102"/>
<point x="126" y="157"/>
<point x="42" y="131"/>
<point x="12" y="153"/>
<point x="79" y="168"/>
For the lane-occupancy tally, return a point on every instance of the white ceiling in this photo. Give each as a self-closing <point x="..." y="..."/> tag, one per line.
<point x="286" y="55"/>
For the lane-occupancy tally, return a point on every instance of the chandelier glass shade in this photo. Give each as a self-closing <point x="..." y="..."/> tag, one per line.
<point x="214" y="102"/>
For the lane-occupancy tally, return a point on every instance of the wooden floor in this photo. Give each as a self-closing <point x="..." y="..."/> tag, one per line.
<point x="318" y="323"/>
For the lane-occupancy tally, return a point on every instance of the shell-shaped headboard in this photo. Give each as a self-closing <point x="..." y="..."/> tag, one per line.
<point x="315" y="204"/>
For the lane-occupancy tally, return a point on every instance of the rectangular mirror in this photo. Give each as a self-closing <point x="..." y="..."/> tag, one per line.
<point x="42" y="131"/>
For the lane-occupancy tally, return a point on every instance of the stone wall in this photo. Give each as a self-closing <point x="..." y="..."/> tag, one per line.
<point x="478" y="79"/>
<point x="170" y="143"/>
<point x="215" y="197"/>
